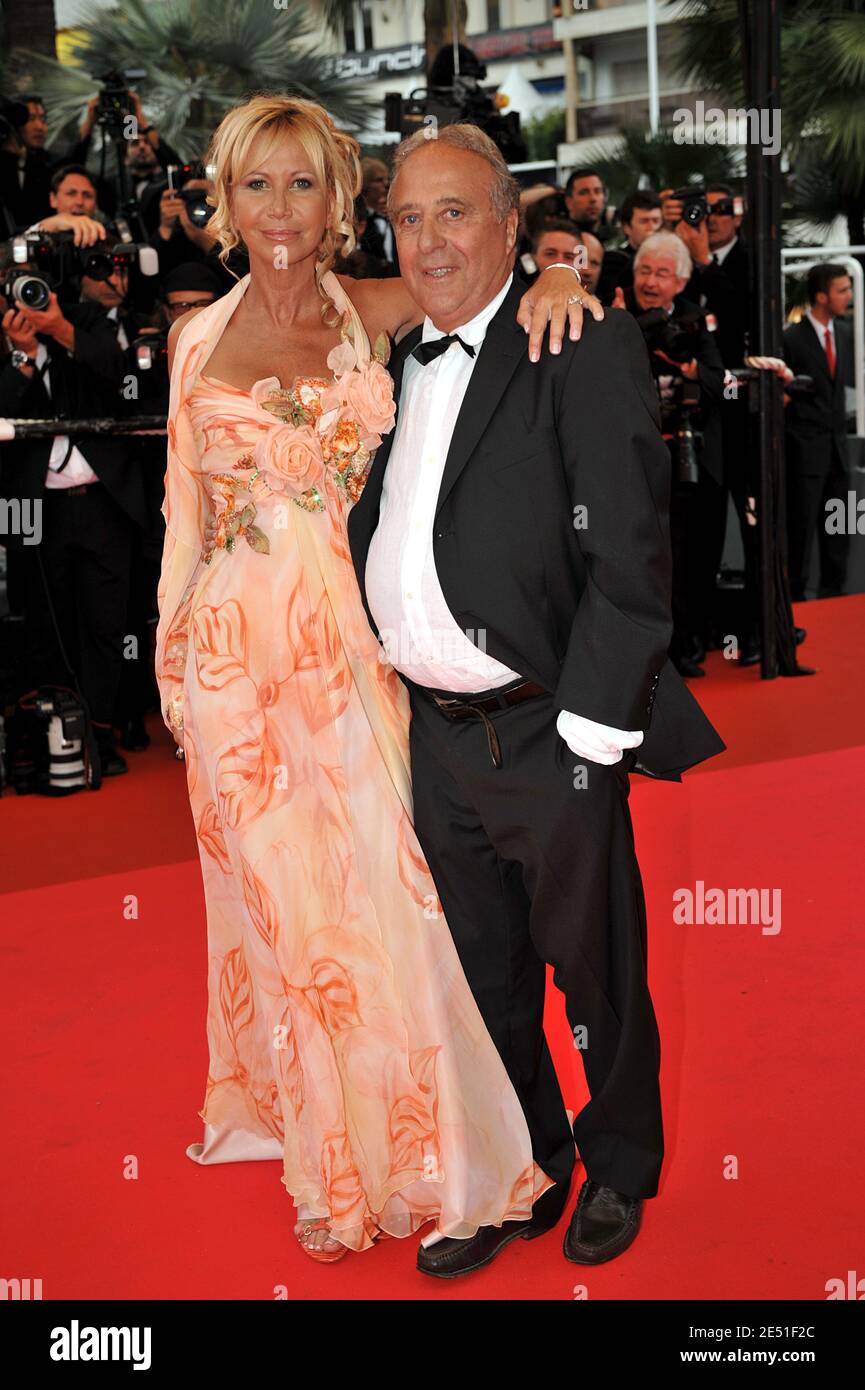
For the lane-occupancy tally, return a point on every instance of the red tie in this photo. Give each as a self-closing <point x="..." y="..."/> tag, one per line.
<point x="830" y="352"/>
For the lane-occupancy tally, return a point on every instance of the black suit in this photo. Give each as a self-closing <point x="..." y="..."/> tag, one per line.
<point x="83" y="556"/>
<point x="816" y="457"/>
<point x="529" y="869"/>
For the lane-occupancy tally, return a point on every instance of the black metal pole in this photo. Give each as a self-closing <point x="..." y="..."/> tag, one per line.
<point x="761" y="55"/>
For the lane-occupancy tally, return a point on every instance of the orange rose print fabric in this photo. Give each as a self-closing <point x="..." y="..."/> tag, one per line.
<point x="343" y="1036"/>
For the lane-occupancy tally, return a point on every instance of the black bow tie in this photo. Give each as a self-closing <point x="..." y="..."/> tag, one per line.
<point x="425" y="352"/>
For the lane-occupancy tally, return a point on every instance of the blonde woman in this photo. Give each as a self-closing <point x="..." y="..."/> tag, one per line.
<point x="343" y="1037"/>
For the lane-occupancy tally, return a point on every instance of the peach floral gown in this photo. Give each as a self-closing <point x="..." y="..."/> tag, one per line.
<point x="343" y="1037"/>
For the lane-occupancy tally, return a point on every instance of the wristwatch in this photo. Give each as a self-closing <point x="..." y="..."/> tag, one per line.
<point x="20" y="358"/>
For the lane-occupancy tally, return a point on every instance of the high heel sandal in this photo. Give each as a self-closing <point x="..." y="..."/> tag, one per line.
<point x="318" y="1224"/>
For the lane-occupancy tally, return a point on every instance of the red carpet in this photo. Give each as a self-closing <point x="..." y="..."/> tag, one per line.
<point x="761" y="1033"/>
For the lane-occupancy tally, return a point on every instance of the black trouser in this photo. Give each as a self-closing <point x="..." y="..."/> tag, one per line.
<point x="698" y="514"/>
<point x="739" y="479"/>
<point x="531" y="870"/>
<point x="85" y="555"/>
<point x="807" y="495"/>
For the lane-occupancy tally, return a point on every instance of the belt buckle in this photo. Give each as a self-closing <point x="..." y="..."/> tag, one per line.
<point x="450" y="703"/>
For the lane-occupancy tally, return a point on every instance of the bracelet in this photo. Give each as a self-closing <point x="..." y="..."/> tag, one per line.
<point x="563" y="265"/>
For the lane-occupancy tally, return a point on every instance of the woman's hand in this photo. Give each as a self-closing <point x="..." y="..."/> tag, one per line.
<point x="556" y="296"/>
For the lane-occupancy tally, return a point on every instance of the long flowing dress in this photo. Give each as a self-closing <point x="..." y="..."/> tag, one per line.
<point x="343" y="1036"/>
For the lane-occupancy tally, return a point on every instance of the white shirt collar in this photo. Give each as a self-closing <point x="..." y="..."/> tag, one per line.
<point x="474" y="331"/>
<point x="821" y="328"/>
<point x="722" y="252"/>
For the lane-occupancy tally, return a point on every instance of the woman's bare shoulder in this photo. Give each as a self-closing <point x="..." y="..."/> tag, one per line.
<point x="176" y="329"/>
<point x="384" y="305"/>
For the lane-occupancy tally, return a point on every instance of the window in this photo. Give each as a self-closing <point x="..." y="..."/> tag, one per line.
<point x="494" y="18"/>
<point x="358" y="36"/>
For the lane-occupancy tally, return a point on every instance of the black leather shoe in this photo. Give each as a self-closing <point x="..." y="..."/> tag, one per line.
<point x="603" y="1224"/>
<point x="751" y="650"/>
<point x="687" y="667"/>
<point x="449" y="1258"/>
<point x="113" y="764"/>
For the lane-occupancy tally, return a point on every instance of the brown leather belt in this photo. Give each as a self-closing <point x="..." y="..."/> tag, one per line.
<point x="467" y="707"/>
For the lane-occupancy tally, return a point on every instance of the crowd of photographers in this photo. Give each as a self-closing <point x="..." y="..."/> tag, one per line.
<point x="93" y="272"/>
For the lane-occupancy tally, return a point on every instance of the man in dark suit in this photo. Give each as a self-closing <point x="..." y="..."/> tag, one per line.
<point x="377" y="239"/>
<point x="816" y="431"/>
<point x="67" y="363"/>
<point x="512" y="550"/>
<point x="691" y="394"/>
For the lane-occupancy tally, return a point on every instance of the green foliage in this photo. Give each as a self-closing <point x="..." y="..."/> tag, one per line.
<point x="656" y="161"/>
<point x="822" y="90"/>
<point x="200" y="59"/>
<point x="544" y="133"/>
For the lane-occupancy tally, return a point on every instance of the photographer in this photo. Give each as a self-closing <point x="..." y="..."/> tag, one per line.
<point x="640" y="215"/>
<point x="708" y="221"/>
<point x="66" y="362"/>
<point x="586" y="201"/>
<point x="690" y="378"/>
<point x="558" y="242"/>
<point x="182" y="235"/>
<point x="378" y="239"/>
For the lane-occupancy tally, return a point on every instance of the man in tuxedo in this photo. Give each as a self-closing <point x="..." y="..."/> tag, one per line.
<point x="816" y="431"/>
<point x="513" y="554"/>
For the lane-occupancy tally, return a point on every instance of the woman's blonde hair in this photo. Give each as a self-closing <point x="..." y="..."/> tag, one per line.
<point x="333" y="155"/>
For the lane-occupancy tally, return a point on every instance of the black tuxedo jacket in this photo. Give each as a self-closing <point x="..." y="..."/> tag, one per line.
<point x="584" y="612"/>
<point x="815" y="427"/>
<point x="86" y="386"/>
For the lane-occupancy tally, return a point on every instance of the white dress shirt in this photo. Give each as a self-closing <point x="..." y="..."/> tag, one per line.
<point x="77" y="470"/>
<point x="420" y="635"/>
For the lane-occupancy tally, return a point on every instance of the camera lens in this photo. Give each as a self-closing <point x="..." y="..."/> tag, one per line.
<point x="31" y="293"/>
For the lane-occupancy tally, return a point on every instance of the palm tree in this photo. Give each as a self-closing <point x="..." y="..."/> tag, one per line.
<point x="822" y="91"/>
<point x="656" y="161"/>
<point x="198" y="60"/>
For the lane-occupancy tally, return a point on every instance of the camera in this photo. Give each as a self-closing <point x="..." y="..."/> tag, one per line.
<point x="114" y="107"/>
<point x="453" y="96"/>
<point x="46" y="261"/>
<point x="197" y="206"/>
<point x="26" y="290"/>
<point x="677" y="336"/>
<point x="696" y="206"/>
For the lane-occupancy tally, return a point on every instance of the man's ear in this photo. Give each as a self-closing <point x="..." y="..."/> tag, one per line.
<point x="513" y="222"/>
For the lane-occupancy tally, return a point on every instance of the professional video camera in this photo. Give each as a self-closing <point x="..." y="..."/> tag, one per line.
<point x="46" y="261"/>
<point x="454" y="93"/>
<point x="115" y="107"/>
<point x="695" y="205"/>
<point x="197" y="207"/>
